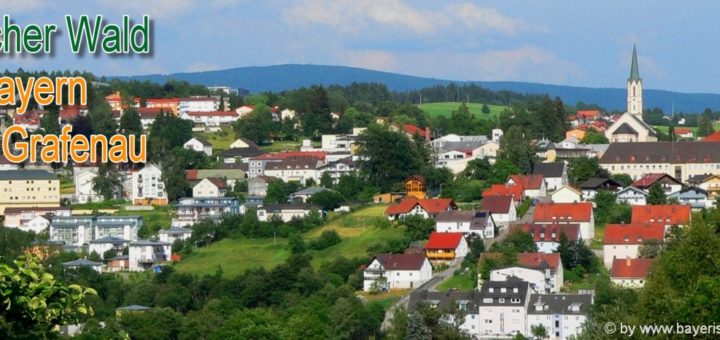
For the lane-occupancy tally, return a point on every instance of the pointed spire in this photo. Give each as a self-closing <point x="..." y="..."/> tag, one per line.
<point x="634" y="71"/>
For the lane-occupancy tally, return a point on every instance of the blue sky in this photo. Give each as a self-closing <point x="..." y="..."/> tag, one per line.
<point x="585" y="43"/>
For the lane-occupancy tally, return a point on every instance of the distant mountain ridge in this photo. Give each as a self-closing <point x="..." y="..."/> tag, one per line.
<point x="284" y="77"/>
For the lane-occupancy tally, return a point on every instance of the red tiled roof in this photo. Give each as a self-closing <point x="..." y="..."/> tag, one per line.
<point x="16" y="210"/>
<point x="431" y="205"/>
<point x="149" y="112"/>
<point x="198" y="99"/>
<point x="551" y="232"/>
<point x="633" y="233"/>
<point x="416" y="177"/>
<point x="537" y="260"/>
<point x="29" y="117"/>
<point x="497" y="204"/>
<point x="162" y="100"/>
<point x="219" y="183"/>
<point x="401" y="261"/>
<point x="713" y="137"/>
<point x="413" y="129"/>
<point x="630" y="268"/>
<point x="515" y="191"/>
<point x="528" y="182"/>
<point x="282" y="155"/>
<point x="212" y="113"/>
<point x="191" y="175"/>
<point x="588" y="114"/>
<point x="675" y="214"/>
<point x="556" y="212"/>
<point x="649" y="179"/>
<point x="443" y="240"/>
<point x="682" y="131"/>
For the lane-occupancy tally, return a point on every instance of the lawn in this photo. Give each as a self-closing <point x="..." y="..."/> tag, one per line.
<point x="357" y="231"/>
<point x="597" y="242"/>
<point x="220" y="140"/>
<point x="463" y="282"/>
<point x="66" y="186"/>
<point x="159" y="217"/>
<point x="385" y="299"/>
<point x="287" y="145"/>
<point x="446" y="108"/>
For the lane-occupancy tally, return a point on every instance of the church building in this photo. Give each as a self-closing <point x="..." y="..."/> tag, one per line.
<point x="631" y="127"/>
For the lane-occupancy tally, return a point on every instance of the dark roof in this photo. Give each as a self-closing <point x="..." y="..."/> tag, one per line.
<point x="175" y="231"/>
<point x="492" y="291"/>
<point x="443" y="300"/>
<point x="697" y="179"/>
<point x="401" y="261"/>
<point x="202" y="141"/>
<point x="110" y="239"/>
<point x="562" y="304"/>
<point x="662" y="152"/>
<point x="294" y="163"/>
<point x="279" y="207"/>
<point x="133" y="308"/>
<point x="634" y="69"/>
<point x="9" y="175"/>
<point x="477" y="219"/>
<point x="625" y="129"/>
<point x="497" y="204"/>
<point x="82" y="263"/>
<point x="598" y="182"/>
<point x="549" y="169"/>
<point x="242" y="152"/>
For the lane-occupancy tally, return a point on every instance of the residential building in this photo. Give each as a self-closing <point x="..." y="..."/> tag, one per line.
<point x="285" y="212"/>
<point x="411" y="131"/>
<point x="529" y="265"/>
<point x="666" y="182"/>
<point x="336" y="169"/>
<point x="148" y="186"/>
<point x="479" y="223"/>
<point x="30" y="120"/>
<point x="566" y="194"/>
<point x="166" y="104"/>
<point x="415" y="187"/>
<point x="445" y="247"/>
<point x="684" y="133"/>
<point x="623" y="241"/>
<point x="592" y="186"/>
<point x="396" y="271"/>
<point x="426" y="208"/>
<point x="198" y="104"/>
<point x="514" y="191"/>
<point x="229" y="176"/>
<point x="83" y="263"/>
<point x="191" y="210"/>
<point x="28" y="189"/>
<point x="568" y="213"/>
<point x="37" y="225"/>
<point x="338" y="143"/>
<point x="668" y="215"/>
<point x="693" y="196"/>
<point x="199" y="145"/>
<point x="147" y="116"/>
<point x="22" y="218"/>
<point x="143" y="254"/>
<point x="242" y="143"/>
<point x="210" y="187"/>
<point x="562" y="315"/>
<point x="502" y="209"/>
<point x="298" y="169"/>
<point x="681" y="160"/>
<point x="533" y="185"/>
<point x="257" y="186"/>
<point x="304" y="195"/>
<point x="104" y="244"/>
<point x="630" y="273"/>
<point x="631" y="196"/>
<point x="258" y="164"/>
<point x="173" y="234"/>
<point x="547" y="236"/>
<point x="210" y="118"/>
<point x="503" y="308"/>
<point x="709" y="183"/>
<point x="554" y="174"/>
<point x="77" y="230"/>
<point x="84" y="191"/>
<point x="451" y="304"/>
<point x="240" y="155"/>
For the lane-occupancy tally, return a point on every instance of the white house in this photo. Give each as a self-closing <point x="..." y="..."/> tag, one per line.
<point x="547" y="236"/>
<point x="533" y="185"/>
<point x="286" y="212"/>
<point x="503" y="308"/>
<point x="427" y="208"/>
<point x="566" y="194"/>
<point x="244" y="110"/>
<point x="562" y="315"/>
<point x="623" y="241"/>
<point x="451" y="304"/>
<point x="23" y="217"/>
<point x="300" y="169"/>
<point x="536" y="278"/>
<point x="242" y="143"/>
<point x="568" y="213"/>
<point x="198" y="104"/>
<point x="396" y="271"/>
<point x="554" y="174"/>
<point x="148" y="186"/>
<point x="210" y="118"/>
<point x="630" y="272"/>
<point x="502" y="209"/>
<point x="174" y="233"/>
<point x="79" y="263"/>
<point x="210" y="187"/>
<point x="199" y="145"/>
<point x="101" y="245"/>
<point x="480" y="223"/>
<point x="84" y="191"/>
<point x="143" y="254"/>
<point x="38" y="224"/>
<point x="446" y="247"/>
<point x="543" y="271"/>
<point x="632" y="196"/>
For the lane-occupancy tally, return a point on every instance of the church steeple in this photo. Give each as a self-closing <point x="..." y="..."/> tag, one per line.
<point x="634" y="71"/>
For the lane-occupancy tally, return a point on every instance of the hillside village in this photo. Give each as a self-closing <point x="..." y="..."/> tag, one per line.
<point x="501" y="234"/>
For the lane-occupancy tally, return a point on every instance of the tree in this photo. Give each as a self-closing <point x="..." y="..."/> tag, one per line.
<point x="130" y="123"/>
<point x="416" y="328"/>
<point x="101" y="118"/>
<point x="418" y="228"/>
<point x="650" y="248"/>
<point x="156" y="323"/>
<point x="325" y="180"/>
<point x="387" y="157"/>
<point x="167" y="132"/>
<point x="485" y="109"/>
<point x="671" y="133"/>
<point x="256" y="125"/>
<point x="516" y="148"/>
<point x="582" y="169"/>
<point x="539" y="331"/>
<point x="35" y="301"/>
<point x="623" y="179"/>
<point x="575" y="253"/>
<point x="279" y="191"/>
<point x="107" y="182"/>
<point x="49" y="122"/>
<point x="328" y="199"/>
<point x="517" y="241"/>
<point x="656" y="195"/>
<point x="593" y="137"/>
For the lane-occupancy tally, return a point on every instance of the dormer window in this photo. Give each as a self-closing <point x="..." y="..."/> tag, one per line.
<point x="503" y="290"/>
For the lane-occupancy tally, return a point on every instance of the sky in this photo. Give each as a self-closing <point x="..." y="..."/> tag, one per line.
<point x="580" y="43"/>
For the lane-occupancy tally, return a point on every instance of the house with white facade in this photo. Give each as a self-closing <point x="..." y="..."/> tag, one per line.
<point x="666" y="182"/>
<point x="544" y="272"/>
<point x="547" y="236"/>
<point x="81" y="229"/>
<point x="83" y="180"/>
<point x="631" y="196"/>
<point x="554" y="174"/>
<point x="172" y="234"/>
<point x="623" y="241"/>
<point x="210" y="187"/>
<point x="451" y="305"/>
<point x="210" y="119"/>
<point x="426" y="208"/>
<point x="199" y="145"/>
<point x="566" y="194"/>
<point x="191" y="210"/>
<point x="533" y="185"/>
<point x="630" y="273"/>
<point x="104" y="244"/>
<point x="503" y="308"/>
<point x="198" y="104"/>
<point x="83" y="263"/>
<point x="502" y="209"/>
<point x="304" y="195"/>
<point x="396" y="271"/>
<point x="147" y="186"/>
<point x="591" y="187"/>
<point x="693" y="196"/>
<point x="342" y="167"/>
<point x="480" y="223"/>
<point x="143" y="254"/>
<point x="562" y="315"/>
<point x="298" y="169"/>
<point x="568" y="213"/>
<point x="285" y="212"/>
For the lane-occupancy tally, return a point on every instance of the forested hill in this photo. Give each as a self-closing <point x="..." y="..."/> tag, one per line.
<point x="283" y="77"/>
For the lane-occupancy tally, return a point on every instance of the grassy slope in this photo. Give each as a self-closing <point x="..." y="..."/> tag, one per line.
<point x="462" y="282"/>
<point x="236" y="256"/>
<point x="445" y="108"/>
<point x="220" y="140"/>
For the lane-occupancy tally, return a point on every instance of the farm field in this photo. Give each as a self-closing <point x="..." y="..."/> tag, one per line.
<point x="446" y="108"/>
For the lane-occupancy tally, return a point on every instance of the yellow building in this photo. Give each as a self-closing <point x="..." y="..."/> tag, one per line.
<point x="415" y="187"/>
<point x="28" y="189"/>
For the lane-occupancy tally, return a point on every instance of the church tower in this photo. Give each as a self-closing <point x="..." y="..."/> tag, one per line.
<point x="634" y="89"/>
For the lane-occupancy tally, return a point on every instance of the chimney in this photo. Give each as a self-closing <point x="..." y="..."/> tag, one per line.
<point x="427" y="133"/>
<point x="627" y="262"/>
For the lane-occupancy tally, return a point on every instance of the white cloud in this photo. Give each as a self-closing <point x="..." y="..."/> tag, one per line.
<point x="371" y="59"/>
<point x="13" y="6"/>
<point x="201" y="66"/>
<point x="475" y="17"/>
